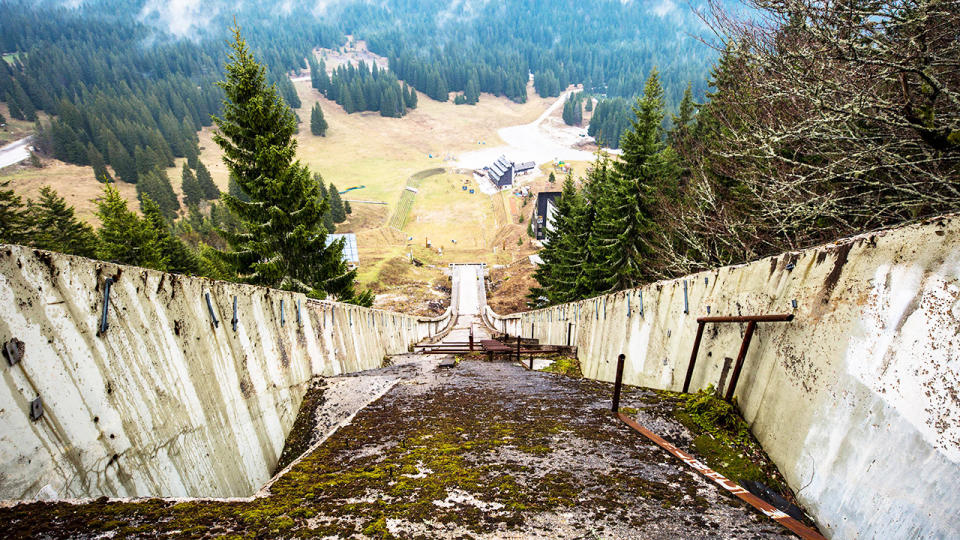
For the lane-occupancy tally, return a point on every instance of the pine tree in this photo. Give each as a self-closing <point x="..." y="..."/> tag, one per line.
<point x="24" y="103"/>
<point x="234" y="189"/>
<point x="100" y="171"/>
<point x="318" y="124"/>
<point x="207" y="187"/>
<point x="124" y="237"/>
<point x="156" y="185"/>
<point x="3" y="119"/>
<point x="283" y="243"/>
<point x="190" y="187"/>
<point x="681" y="122"/>
<point x="336" y="205"/>
<point x="411" y="97"/>
<point x="176" y="256"/>
<point x="553" y="178"/>
<point x="558" y="274"/>
<point x="14" y="222"/>
<point x="472" y="92"/>
<point x="193" y="154"/>
<point x="122" y="163"/>
<point x="15" y="112"/>
<point x="346" y="207"/>
<point x="56" y="228"/>
<point x="624" y="241"/>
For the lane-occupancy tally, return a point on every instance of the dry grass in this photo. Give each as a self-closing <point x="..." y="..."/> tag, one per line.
<point x="510" y="285"/>
<point x="75" y="184"/>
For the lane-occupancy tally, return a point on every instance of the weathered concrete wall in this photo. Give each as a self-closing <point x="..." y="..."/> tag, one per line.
<point x="164" y="403"/>
<point x="857" y="400"/>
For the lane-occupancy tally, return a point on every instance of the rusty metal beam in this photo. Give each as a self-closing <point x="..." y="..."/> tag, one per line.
<point x="747" y="336"/>
<point x="693" y="356"/>
<point x="763" y="506"/>
<point x="751" y="321"/>
<point x="787" y="317"/>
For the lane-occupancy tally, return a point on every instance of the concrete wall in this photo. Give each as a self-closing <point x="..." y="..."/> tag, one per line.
<point x="163" y="403"/>
<point x="857" y="400"/>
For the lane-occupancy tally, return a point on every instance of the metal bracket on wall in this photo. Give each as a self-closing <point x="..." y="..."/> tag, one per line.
<point x="234" y="320"/>
<point x="298" y="311"/>
<point x="751" y="321"/>
<point x="213" y="316"/>
<point x="106" y="305"/>
<point x="686" y="301"/>
<point x="36" y="409"/>
<point x="14" y="350"/>
<point x="282" y="319"/>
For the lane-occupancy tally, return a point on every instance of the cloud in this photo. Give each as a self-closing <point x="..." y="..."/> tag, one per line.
<point x="663" y="8"/>
<point x="182" y="18"/>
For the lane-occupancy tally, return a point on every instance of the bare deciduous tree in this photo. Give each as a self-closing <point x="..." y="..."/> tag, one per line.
<point x="835" y="116"/>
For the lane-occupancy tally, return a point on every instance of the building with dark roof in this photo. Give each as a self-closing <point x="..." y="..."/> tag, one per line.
<point x="501" y="172"/>
<point x="544" y="211"/>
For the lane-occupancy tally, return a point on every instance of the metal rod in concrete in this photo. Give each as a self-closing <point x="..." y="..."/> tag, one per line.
<point x="618" y="383"/>
<point x="216" y="322"/>
<point x="518" y="348"/>
<point x="106" y="305"/>
<point x="751" y="326"/>
<point x="693" y="355"/>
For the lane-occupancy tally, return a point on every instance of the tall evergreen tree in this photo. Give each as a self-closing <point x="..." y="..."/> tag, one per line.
<point x="100" y="171"/>
<point x="176" y="256"/>
<point x="156" y="185"/>
<point x="14" y="224"/>
<point x="207" y="187"/>
<point x="283" y="243"/>
<point x="56" y="228"/>
<point x="561" y="269"/>
<point x="124" y="237"/>
<point x="190" y="187"/>
<point x="337" y="209"/>
<point x="625" y="232"/>
<point x="318" y="124"/>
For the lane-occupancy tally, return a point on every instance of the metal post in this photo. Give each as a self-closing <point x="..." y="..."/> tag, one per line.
<point x="518" y="348"/>
<point x="282" y="319"/>
<point x="618" y="383"/>
<point x="686" y="302"/>
<point x="216" y="322"/>
<point x="693" y="356"/>
<point x="106" y="305"/>
<point x="751" y="326"/>
<point x="531" y="362"/>
<point x="471" y="338"/>
<point x="234" y="320"/>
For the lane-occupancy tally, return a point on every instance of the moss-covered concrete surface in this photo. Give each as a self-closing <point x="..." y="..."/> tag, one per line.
<point x="483" y="450"/>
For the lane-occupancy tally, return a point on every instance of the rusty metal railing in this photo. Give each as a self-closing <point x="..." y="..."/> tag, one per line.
<point x="751" y="321"/>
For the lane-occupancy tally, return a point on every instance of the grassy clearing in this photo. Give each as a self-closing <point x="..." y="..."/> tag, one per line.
<point x="76" y="184"/>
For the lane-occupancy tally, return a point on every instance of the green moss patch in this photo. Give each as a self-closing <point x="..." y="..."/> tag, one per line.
<point x="565" y="366"/>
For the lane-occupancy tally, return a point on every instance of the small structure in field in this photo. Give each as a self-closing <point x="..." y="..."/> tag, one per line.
<point x="544" y="211"/>
<point x="351" y="255"/>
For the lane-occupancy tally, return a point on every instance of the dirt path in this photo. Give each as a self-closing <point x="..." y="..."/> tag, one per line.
<point x="15" y="152"/>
